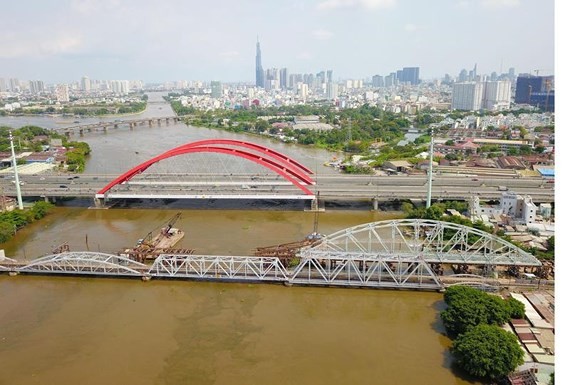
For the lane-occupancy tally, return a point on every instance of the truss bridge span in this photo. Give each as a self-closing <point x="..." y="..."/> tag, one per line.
<point x="398" y="254"/>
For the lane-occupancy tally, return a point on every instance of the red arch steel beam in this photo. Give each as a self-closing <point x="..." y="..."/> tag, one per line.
<point x="282" y="159"/>
<point x="253" y="146"/>
<point x="284" y="170"/>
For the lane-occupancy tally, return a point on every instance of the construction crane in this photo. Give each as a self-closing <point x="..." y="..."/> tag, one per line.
<point x="152" y="246"/>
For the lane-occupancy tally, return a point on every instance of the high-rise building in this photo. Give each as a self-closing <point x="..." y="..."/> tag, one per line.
<point x="497" y="95"/>
<point x="302" y="90"/>
<point x="14" y="85"/>
<point x="85" y="84"/>
<point x="332" y="91"/>
<point x="377" y="81"/>
<point x="62" y="93"/>
<point x="527" y="85"/>
<point x="36" y="86"/>
<point x="259" y="74"/>
<point x="467" y="96"/>
<point x="120" y="86"/>
<point x="284" y="78"/>
<point x="216" y="89"/>
<point x="410" y="75"/>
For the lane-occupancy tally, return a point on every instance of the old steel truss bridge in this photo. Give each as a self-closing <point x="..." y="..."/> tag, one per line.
<point x="401" y="254"/>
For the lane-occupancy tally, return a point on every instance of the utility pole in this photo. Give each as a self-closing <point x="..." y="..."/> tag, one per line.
<point x="430" y="172"/>
<point x="16" y="178"/>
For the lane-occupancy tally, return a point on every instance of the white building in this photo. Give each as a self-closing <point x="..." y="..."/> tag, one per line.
<point x="497" y="95"/>
<point x="332" y="91"/>
<point x="302" y="90"/>
<point x="467" y="96"/>
<point x="519" y="208"/>
<point x="62" y="93"/>
<point x="120" y="87"/>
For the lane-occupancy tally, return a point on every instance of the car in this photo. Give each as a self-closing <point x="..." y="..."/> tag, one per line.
<point x="62" y="186"/>
<point x="475" y="179"/>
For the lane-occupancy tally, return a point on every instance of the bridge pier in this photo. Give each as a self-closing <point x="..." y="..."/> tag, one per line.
<point x="99" y="203"/>
<point x="375" y="203"/>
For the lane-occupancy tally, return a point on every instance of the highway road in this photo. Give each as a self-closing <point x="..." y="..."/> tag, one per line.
<point x="272" y="186"/>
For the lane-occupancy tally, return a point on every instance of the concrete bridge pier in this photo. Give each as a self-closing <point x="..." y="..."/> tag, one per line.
<point x="150" y="123"/>
<point x="131" y="126"/>
<point x="99" y="203"/>
<point x="375" y="203"/>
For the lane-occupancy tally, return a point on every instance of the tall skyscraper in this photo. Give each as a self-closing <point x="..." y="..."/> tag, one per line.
<point x="259" y="74"/>
<point x="411" y="75"/>
<point x="216" y="87"/>
<point x="85" y="84"/>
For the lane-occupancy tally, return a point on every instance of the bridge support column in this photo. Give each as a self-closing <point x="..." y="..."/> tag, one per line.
<point x="131" y="126"/>
<point x="99" y="203"/>
<point x="375" y="203"/>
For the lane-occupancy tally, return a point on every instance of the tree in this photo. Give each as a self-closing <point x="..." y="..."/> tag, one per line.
<point x="469" y="307"/>
<point x="487" y="351"/>
<point x="516" y="308"/>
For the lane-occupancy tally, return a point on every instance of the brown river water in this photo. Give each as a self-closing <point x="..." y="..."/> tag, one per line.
<point x="71" y="330"/>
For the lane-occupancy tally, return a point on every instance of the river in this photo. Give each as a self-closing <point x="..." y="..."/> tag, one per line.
<point x="69" y="330"/>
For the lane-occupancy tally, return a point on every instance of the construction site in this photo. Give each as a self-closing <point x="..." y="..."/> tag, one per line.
<point x="158" y="241"/>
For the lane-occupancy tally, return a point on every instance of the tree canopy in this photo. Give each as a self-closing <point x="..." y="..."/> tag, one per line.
<point x="487" y="351"/>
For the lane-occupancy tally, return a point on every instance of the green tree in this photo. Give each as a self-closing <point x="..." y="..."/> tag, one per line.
<point x="516" y="308"/>
<point x="487" y="351"/>
<point x="469" y="307"/>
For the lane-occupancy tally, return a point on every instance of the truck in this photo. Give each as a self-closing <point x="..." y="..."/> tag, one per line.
<point x="502" y="188"/>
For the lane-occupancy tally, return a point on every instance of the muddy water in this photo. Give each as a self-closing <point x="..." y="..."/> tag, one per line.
<point x="107" y="331"/>
<point x="104" y="331"/>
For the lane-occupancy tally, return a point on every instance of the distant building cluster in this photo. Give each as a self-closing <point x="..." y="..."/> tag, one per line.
<point x="401" y="91"/>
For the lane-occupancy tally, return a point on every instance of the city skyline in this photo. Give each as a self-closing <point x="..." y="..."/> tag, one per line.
<point x="355" y="38"/>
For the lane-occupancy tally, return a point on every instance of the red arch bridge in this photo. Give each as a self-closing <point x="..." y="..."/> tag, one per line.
<point x="402" y="254"/>
<point x="214" y="168"/>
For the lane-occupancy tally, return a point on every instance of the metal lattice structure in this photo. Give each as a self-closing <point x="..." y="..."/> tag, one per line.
<point x="402" y="254"/>
<point x="219" y="267"/>
<point x="428" y="240"/>
<point x="85" y="263"/>
<point x="388" y="254"/>
<point x="365" y="271"/>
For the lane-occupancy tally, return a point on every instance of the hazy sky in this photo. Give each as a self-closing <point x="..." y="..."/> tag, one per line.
<point x="155" y="41"/>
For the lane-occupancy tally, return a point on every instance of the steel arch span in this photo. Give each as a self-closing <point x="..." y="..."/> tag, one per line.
<point x="291" y="170"/>
<point x="432" y="241"/>
<point x="403" y="254"/>
<point x="85" y="263"/>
